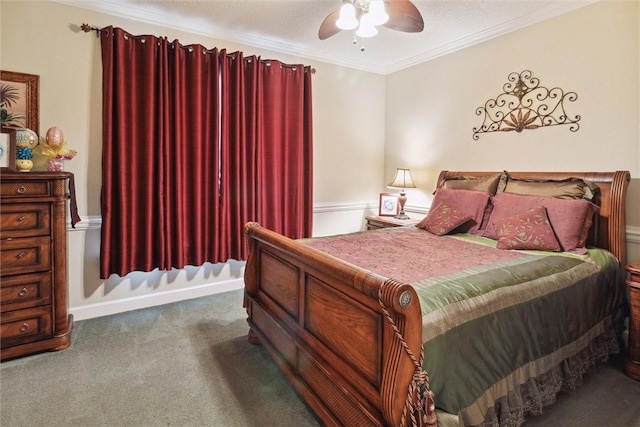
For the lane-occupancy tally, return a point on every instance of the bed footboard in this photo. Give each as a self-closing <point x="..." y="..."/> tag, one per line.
<point x="321" y="321"/>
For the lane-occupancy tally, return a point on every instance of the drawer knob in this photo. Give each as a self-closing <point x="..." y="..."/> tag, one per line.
<point x="22" y="189"/>
<point x="22" y="218"/>
<point x="23" y="292"/>
<point x="21" y="254"/>
<point x="25" y="327"/>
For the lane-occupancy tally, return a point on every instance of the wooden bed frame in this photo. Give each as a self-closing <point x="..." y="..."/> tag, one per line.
<point x="321" y="321"/>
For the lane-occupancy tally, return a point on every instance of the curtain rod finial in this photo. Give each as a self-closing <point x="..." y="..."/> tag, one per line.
<point x="88" y="28"/>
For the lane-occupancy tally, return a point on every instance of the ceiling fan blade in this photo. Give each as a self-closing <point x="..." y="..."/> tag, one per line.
<point x="404" y="16"/>
<point x="328" y="27"/>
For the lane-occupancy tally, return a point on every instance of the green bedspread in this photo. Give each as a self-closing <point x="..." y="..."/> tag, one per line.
<point x="498" y="326"/>
<point x="490" y="329"/>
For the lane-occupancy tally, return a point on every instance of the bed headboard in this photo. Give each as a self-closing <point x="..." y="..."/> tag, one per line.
<point x="609" y="229"/>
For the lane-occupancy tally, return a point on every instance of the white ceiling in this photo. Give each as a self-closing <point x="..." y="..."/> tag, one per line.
<point x="291" y="26"/>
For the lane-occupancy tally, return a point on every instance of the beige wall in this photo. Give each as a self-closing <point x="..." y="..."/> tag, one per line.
<point x="348" y="132"/>
<point x="593" y="51"/>
<point x="425" y="114"/>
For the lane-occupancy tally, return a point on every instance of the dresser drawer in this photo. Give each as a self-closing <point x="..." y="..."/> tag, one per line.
<point x="28" y="255"/>
<point x="24" y="220"/>
<point x="24" y="326"/>
<point x="25" y="291"/>
<point x="31" y="188"/>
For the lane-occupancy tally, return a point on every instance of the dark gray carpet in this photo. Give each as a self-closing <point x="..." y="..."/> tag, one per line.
<point x="606" y="398"/>
<point x="181" y="364"/>
<point x="189" y="364"/>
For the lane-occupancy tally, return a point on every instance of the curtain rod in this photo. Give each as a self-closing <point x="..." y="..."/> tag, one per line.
<point x="88" y="28"/>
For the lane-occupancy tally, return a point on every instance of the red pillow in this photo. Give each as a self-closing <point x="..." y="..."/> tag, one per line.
<point x="443" y="219"/>
<point x="570" y="219"/>
<point x="467" y="201"/>
<point x="527" y="230"/>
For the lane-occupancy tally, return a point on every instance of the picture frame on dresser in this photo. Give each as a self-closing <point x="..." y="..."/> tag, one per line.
<point x="8" y="150"/>
<point x="28" y="93"/>
<point x="389" y="204"/>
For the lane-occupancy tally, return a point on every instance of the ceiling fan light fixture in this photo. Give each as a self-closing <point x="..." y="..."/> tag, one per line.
<point x="378" y="14"/>
<point x="399" y="15"/>
<point x="347" y="19"/>
<point x="366" y="28"/>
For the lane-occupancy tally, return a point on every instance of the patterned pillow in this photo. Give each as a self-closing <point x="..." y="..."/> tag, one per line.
<point x="468" y="201"/>
<point x="528" y="230"/>
<point x="570" y="219"/>
<point x="443" y="219"/>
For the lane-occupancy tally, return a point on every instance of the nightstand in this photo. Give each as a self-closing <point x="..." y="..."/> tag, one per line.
<point x="375" y="222"/>
<point x="632" y="366"/>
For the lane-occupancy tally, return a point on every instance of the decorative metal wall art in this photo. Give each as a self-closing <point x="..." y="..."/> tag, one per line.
<point x="525" y="105"/>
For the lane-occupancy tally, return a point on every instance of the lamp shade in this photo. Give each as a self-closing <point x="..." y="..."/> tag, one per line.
<point x="402" y="179"/>
<point x="347" y="19"/>
<point x="366" y="28"/>
<point x="378" y="15"/>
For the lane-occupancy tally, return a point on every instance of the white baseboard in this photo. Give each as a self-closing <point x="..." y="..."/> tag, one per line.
<point x="144" y="301"/>
<point x="633" y="234"/>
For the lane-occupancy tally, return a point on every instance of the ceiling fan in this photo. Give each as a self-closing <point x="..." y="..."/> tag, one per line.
<point x="365" y="15"/>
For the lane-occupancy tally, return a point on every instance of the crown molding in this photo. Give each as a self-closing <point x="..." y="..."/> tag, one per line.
<point x="135" y="13"/>
<point x="138" y="14"/>
<point x="541" y="15"/>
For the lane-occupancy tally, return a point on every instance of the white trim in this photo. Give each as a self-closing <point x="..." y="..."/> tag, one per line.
<point x="548" y="12"/>
<point x="343" y="206"/>
<point x="633" y="235"/>
<point x="95" y="221"/>
<point x="86" y="223"/>
<point x="139" y="14"/>
<point x="416" y="209"/>
<point x="144" y="301"/>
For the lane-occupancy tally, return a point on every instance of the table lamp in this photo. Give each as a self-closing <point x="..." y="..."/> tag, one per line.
<point x="402" y="180"/>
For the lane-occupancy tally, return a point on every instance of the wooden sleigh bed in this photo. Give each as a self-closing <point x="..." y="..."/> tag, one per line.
<point x="351" y="340"/>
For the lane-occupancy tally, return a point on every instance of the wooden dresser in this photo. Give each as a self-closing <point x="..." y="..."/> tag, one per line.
<point x="632" y="365"/>
<point x="34" y="313"/>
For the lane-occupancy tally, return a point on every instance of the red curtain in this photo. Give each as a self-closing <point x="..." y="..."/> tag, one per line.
<point x="196" y="143"/>
<point x="282" y="119"/>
